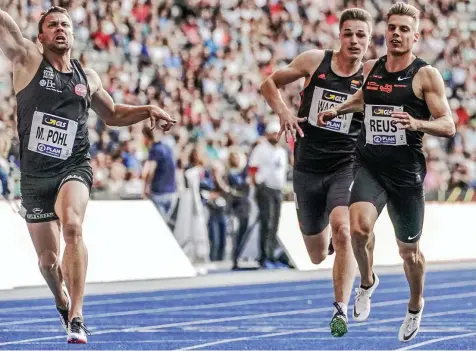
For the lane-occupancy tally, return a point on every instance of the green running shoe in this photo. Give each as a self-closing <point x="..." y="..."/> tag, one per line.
<point x="338" y="322"/>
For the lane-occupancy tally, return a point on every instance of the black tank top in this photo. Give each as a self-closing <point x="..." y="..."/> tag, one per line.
<point x="327" y="149"/>
<point x="52" y="121"/>
<point x="395" y="153"/>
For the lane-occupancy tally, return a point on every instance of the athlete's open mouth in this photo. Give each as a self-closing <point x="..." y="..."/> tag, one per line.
<point x="354" y="50"/>
<point x="395" y="41"/>
<point x="60" y="38"/>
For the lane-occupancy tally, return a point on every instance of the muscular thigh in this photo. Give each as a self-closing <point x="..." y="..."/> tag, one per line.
<point x="310" y="195"/>
<point x="339" y="188"/>
<point x="406" y="209"/>
<point x="367" y="187"/>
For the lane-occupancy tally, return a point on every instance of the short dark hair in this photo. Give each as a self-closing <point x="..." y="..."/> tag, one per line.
<point x="403" y="9"/>
<point x="355" y="14"/>
<point x="52" y="9"/>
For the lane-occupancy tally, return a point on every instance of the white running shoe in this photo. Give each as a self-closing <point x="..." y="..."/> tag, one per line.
<point x="411" y="325"/>
<point x="77" y="332"/>
<point x="362" y="301"/>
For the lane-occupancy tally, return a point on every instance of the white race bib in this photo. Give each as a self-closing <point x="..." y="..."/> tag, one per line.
<point x="325" y="99"/>
<point x="52" y="136"/>
<point x="381" y="128"/>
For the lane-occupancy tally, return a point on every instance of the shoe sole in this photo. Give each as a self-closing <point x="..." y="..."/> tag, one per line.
<point x="338" y="327"/>
<point x="77" y="341"/>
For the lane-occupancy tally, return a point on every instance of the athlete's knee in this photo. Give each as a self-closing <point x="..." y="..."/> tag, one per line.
<point x="318" y="255"/>
<point x="341" y="237"/>
<point x="361" y="230"/>
<point x="411" y="255"/>
<point x="48" y="260"/>
<point x="72" y="230"/>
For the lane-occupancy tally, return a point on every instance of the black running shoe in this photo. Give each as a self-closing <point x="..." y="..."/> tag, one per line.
<point x="63" y="314"/>
<point x="330" y="250"/>
<point x="77" y="332"/>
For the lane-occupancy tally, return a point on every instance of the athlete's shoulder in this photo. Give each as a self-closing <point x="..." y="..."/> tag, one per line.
<point x="369" y="65"/>
<point x="310" y="57"/>
<point x="428" y="76"/>
<point x="94" y="81"/>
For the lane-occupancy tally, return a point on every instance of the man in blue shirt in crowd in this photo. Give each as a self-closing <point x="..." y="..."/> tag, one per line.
<point x="159" y="173"/>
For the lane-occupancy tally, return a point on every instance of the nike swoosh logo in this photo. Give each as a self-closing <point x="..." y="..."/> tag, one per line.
<point x="406" y="337"/>
<point x="404" y="78"/>
<point x="413" y="237"/>
<point x="355" y="313"/>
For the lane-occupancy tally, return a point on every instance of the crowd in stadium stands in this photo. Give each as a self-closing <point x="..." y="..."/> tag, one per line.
<point x="203" y="62"/>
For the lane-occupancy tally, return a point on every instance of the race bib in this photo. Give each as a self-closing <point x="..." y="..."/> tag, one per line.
<point x="324" y="99"/>
<point x="52" y="135"/>
<point x="381" y="128"/>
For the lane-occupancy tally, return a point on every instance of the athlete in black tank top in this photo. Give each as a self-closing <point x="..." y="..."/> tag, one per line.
<point x="400" y="94"/>
<point x="384" y="145"/>
<point x="53" y="95"/>
<point x="324" y="156"/>
<point x="52" y="121"/>
<point x="329" y="148"/>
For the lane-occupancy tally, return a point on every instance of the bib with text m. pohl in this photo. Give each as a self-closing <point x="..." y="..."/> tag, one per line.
<point x="324" y="99"/>
<point x="52" y="136"/>
<point x="381" y="128"/>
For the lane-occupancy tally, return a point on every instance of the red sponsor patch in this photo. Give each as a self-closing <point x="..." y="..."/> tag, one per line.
<point x="80" y="90"/>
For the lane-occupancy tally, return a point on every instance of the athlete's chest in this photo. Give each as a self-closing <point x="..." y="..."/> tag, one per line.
<point x="390" y="89"/>
<point x="69" y="88"/>
<point x="328" y="80"/>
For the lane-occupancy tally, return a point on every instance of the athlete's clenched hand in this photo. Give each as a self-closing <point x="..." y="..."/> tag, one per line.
<point x="289" y="126"/>
<point x="325" y="116"/>
<point x="157" y="114"/>
<point x="407" y="121"/>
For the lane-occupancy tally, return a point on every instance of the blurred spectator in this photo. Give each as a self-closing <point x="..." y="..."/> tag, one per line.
<point x="239" y="202"/>
<point x="159" y="173"/>
<point x="268" y="167"/>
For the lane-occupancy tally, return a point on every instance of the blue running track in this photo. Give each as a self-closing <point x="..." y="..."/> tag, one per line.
<point x="279" y="316"/>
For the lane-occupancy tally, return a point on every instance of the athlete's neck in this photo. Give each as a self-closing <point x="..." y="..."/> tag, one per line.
<point x="345" y="66"/>
<point x="398" y="63"/>
<point x="62" y="63"/>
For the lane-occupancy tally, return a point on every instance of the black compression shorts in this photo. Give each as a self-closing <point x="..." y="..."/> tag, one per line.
<point x="39" y="194"/>
<point x="406" y="206"/>
<point x="317" y="194"/>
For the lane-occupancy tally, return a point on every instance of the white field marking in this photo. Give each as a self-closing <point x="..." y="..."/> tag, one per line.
<point x="264" y="315"/>
<point x="315" y="330"/>
<point x="302" y="286"/>
<point x="307" y="286"/>
<point x="226" y="304"/>
<point x="434" y="341"/>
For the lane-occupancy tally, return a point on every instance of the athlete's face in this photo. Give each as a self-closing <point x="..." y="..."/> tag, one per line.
<point x="354" y="38"/>
<point x="57" y="33"/>
<point x="401" y="34"/>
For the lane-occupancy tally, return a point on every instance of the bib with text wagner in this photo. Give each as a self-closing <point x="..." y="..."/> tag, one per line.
<point x="381" y="128"/>
<point x="52" y="136"/>
<point x="324" y="99"/>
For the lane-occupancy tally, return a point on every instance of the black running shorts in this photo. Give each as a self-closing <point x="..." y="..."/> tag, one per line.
<point x="39" y="194"/>
<point x="406" y="206"/>
<point x="317" y="194"/>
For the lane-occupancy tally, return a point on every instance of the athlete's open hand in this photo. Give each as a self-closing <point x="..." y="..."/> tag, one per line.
<point x="325" y="116"/>
<point x="290" y="125"/>
<point x="157" y="114"/>
<point x="407" y="121"/>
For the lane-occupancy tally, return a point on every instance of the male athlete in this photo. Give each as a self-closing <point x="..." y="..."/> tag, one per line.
<point x="324" y="156"/>
<point x="54" y="95"/>
<point x="400" y="95"/>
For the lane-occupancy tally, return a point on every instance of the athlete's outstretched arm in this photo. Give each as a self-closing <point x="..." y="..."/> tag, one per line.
<point x="302" y="66"/>
<point x="433" y="89"/>
<point x="355" y="103"/>
<point x="12" y="43"/>
<point x="122" y="115"/>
